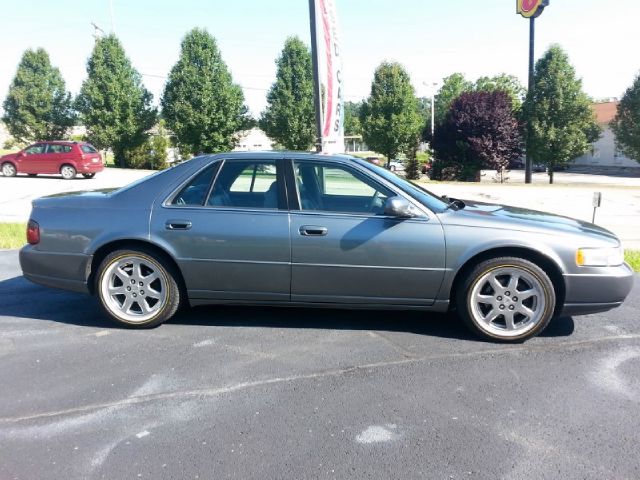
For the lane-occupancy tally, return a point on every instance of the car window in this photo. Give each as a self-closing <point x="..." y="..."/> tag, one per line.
<point x="66" y="148"/>
<point x="86" y="148"/>
<point x="33" y="149"/>
<point x="55" y="148"/>
<point x="246" y="184"/>
<point x="335" y="188"/>
<point x="196" y="190"/>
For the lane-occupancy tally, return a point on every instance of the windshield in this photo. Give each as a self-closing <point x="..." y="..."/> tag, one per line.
<point x="424" y="196"/>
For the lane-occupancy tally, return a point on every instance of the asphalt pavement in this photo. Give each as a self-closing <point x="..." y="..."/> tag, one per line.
<point x="266" y="393"/>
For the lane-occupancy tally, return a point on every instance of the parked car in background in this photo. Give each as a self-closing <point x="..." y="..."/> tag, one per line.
<point x="396" y="166"/>
<point x="288" y="228"/>
<point x="426" y="168"/>
<point x="64" y="158"/>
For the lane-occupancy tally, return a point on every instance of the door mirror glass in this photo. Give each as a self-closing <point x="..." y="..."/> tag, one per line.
<point x="400" y="207"/>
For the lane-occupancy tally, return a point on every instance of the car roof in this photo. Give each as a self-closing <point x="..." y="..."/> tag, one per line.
<point x="275" y="154"/>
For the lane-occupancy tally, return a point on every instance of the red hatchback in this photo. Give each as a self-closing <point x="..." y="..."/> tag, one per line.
<point x="65" y="158"/>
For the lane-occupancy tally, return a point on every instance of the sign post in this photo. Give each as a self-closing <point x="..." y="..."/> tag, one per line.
<point x="530" y="9"/>
<point x="326" y="56"/>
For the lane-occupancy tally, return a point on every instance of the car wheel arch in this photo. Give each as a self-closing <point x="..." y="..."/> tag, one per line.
<point x="104" y="250"/>
<point x="551" y="268"/>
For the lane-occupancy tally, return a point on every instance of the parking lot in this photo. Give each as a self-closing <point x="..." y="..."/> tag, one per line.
<point x="293" y="393"/>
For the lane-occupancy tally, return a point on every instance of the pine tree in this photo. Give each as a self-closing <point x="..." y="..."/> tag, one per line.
<point x="38" y="107"/>
<point x="561" y="124"/>
<point x="202" y="105"/>
<point x="626" y="125"/>
<point x="289" y="117"/>
<point x="390" y="119"/>
<point x="115" y="106"/>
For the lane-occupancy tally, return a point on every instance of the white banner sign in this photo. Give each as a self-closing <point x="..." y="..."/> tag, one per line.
<point x="329" y="58"/>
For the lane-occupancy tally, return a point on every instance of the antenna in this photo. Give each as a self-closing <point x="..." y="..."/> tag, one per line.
<point x="97" y="31"/>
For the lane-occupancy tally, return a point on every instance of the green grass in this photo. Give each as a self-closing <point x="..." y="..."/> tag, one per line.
<point x="12" y="235"/>
<point x="632" y="257"/>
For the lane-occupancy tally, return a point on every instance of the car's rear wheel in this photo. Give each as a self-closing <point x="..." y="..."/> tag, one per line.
<point x="68" y="172"/>
<point x="88" y="175"/>
<point x="507" y="299"/>
<point x="9" y="169"/>
<point x="137" y="289"/>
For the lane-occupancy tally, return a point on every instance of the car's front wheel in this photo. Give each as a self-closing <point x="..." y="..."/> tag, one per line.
<point x="9" y="169"/>
<point x="506" y="299"/>
<point x="137" y="289"/>
<point x="68" y="172"/>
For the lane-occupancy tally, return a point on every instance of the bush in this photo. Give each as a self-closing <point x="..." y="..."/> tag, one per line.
<point x="151" y="155"/>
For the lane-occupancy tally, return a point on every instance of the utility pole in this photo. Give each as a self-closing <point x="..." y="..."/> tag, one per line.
<point x="113" y="26"/>
<point x="97" y="31"/>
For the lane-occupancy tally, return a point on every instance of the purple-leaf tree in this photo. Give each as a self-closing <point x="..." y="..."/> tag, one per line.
<point x="479" y="131"/>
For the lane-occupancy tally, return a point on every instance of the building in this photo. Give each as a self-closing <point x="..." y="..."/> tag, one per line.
<point x="604" y="152"/>
<point x="253" y="140"/>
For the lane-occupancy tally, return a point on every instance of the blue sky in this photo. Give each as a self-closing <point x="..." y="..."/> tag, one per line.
<point x="431" y="38"/>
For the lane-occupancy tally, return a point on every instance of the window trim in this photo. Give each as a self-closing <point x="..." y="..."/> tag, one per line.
<point x="427" y="214"/>
<point x="283" y="205"/>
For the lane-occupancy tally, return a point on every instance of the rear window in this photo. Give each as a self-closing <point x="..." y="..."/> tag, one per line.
<point x="86" y="148"/>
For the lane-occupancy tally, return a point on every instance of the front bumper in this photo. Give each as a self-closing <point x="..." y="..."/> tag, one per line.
<point x="595" y="291"/>
<point x="67" y="271"/>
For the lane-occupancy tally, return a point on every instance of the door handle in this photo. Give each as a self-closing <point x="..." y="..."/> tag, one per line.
<point x="313" y="231"/>
<point x="178" y="225"/>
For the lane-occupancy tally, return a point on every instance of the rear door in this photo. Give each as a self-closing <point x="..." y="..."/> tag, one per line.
<point x="345" y="250"/>
<point x="228" y="228"/>
<point x="53" y="158"/>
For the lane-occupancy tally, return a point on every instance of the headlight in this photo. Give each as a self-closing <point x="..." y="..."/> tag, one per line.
<point x="600" y="257"/>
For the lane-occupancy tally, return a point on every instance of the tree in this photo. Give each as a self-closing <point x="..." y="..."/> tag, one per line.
<point x="626" y="125"/>
<point x="452" y="87"/>
<point x="505" y="83"/>
<point x="561" y="124"/>
<point x="152" y="154"/>
<point x="289" y="118"/>
<point x="390" y="119"/>
<point x="352" y="125"/>
<point x="201" y="104"/>
<point x="114" y="105"/>
<point x="479" y="131"/>
<point x="38" y="107"/>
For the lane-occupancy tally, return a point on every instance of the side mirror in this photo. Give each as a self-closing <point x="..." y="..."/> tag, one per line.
<point x="399" y="207"/>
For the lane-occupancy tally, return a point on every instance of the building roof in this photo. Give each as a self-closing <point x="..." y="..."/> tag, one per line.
<point x="605" y="112"/>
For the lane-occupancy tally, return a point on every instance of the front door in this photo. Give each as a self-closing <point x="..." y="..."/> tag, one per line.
<point x="228" y="229"/>
<point x="345" y="250"/>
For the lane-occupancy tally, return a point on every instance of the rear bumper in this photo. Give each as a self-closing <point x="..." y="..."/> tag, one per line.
<point x="67" y="271"/>
<point x="594" y="292"/>
<point x="90" y="168"/>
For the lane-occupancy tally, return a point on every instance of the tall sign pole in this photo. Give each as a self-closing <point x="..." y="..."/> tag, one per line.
<point x="317" y="87"/>
<point x="327" y="75"/>
<point x="530" y="9"/>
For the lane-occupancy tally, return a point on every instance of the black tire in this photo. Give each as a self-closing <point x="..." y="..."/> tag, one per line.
<point x="68" y="172"/>
<point x="166" y="275"/>
<point x="507" y="305"/>
<point x="9" y="169"/>
<point x="32" y="174"/>
<point x="88" y="175"/>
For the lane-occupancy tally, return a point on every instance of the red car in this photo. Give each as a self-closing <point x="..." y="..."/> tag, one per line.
<point x="65" y="158"/>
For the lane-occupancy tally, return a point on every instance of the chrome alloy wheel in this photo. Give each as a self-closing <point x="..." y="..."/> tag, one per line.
<point x="507" y="301"/>
<point x="68" y="172"/>
<point x="134" y="289"/>
<point x="8" y="170"/>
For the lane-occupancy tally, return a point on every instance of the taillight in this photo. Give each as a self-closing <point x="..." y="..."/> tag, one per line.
<point x="33" y="232"/>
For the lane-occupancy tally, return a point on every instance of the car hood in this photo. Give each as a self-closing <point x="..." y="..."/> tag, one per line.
<point x="523" y="219"/>
<point x="9" y="156"/>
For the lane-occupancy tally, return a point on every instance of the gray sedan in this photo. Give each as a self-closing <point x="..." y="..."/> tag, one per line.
<point x="332" y="231"/>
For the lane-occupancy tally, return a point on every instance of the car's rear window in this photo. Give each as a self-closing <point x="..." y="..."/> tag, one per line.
<point x="86" y="148"/>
